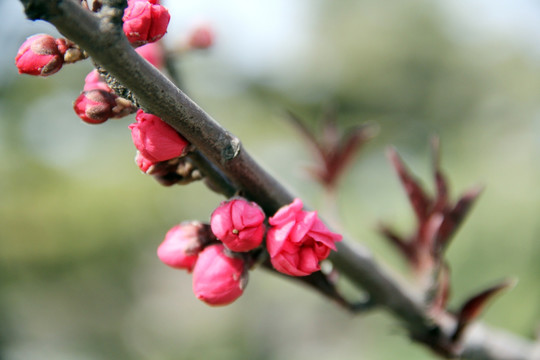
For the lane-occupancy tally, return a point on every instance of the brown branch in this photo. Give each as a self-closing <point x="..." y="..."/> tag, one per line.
<point x="156" y="94"/>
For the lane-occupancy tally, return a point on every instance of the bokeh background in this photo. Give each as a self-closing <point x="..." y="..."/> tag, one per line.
<point x="79" y="223"/>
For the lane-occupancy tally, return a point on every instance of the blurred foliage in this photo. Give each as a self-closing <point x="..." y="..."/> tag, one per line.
<point x="79" y="224"/>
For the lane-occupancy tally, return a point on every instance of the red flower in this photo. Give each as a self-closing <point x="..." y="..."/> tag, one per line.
<point x="145" y="21"/>
<point x="298" y="240"/>
<point x="239" y="224"/>
<point x="181" y="246"/>
<point x="39" y="55"/>
<point x="218" y="279"/>
<point x="95" y="106"/>
<point x="155" y="139"/>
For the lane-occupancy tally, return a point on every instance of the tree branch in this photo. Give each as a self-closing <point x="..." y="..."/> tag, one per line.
<point x="226" y="158"/>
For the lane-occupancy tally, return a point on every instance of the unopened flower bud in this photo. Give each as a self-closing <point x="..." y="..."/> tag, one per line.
<point x="218" y="277"/>
<point x="153" y="53"/>
<point x="39" y="55"/>
<point x="298" y="240"/>
<point x="239" y="224"/>
<point x="112" y="106"/>
<point x="182" y="245"/>
<point x="201" y="37"/>
<point x="155" y="139"/>
<point x="145" y="21"/>
<point x="94" y="81"/>
<point x="95" y="106"/>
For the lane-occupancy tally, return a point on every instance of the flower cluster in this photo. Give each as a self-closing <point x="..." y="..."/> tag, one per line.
<point x="297" y="241"/>
<point x="145" y="21"/>
<point x="219" y="254"/>
<point x="98" y="103"/>
<point x="43" y="55"/>
<point x="219" y="276"/>
<point x="159" y="146"/>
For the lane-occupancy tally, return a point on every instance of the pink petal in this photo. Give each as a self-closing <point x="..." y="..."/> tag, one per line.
<point x="286" y="213"/>
<point x="276" y="238"/>
<point x="288" y="264"/>
<point x="219" y="222"/>
<point x="304" y="222"/>
<point x="253" y="215"/>
<point x="237" y="213"/>
<point x="309" y="262"/>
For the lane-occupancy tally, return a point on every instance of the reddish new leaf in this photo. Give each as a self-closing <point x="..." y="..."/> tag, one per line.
<point x="419" y="200"/>
<point x="334" y="151"/>
<point x="473" y="307"/>
<point x="341" y="157"/>
<point x="454" y="217"/>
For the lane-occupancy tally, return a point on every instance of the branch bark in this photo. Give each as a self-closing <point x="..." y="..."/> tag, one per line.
<point x="104" y="41"/>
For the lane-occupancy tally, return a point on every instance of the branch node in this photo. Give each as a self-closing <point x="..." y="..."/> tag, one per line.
<point x="112" y="12"/>
<point x="232" y="149"/>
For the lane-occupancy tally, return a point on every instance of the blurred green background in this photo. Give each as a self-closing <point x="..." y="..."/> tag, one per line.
<point x="79" y="223"/>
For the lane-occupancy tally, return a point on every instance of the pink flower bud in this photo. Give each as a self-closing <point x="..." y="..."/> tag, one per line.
<point x="145" y="21"/>
<point x="155" y="139"/>
<point x="298" y="240"/>
<point x="201" y="37"/>
<point x="218" y="278"/>
<point x="95" y="106"/>
<point x="39" y="55"/>
<point x="182" y="245"/>
<point x="94" y="81"/>
<point x="153" y="53"/>
<point x="239" y="224"/>
<point x="94" y="84"/>
<point x="143" y="163"/>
